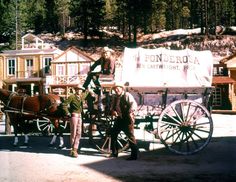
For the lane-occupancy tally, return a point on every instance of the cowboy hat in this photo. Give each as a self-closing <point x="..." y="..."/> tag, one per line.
<point x="107" y="49"/>
<point x="119" y="84"/>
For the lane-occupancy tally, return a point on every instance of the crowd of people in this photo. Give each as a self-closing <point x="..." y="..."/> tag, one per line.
<point x="122" y="107"/>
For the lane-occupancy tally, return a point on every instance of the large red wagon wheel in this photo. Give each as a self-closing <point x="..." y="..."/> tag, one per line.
<point x="185" y="127"/>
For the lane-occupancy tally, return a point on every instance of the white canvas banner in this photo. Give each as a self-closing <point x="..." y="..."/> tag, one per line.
<point x="162" y="67"/>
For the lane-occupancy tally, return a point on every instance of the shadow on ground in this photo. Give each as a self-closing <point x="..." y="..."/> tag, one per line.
<point x="217" y="162"/>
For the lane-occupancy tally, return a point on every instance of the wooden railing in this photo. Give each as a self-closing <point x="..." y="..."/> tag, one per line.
<point x="29" y="74"/>
<point x="66" y="79"/>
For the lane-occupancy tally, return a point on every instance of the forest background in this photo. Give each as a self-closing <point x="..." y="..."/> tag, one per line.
<point x="127" y="19"/>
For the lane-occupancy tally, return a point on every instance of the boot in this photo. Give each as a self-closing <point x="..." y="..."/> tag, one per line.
<point x="134" y="153"/>
<point x="112" y="155"/>
<point x="74" y="153"/>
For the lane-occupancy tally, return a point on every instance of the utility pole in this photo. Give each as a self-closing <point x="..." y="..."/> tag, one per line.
<point x="16" y="24"/>
<point x="206" y="17"/>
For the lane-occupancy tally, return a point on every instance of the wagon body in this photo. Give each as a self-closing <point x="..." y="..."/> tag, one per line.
<point x="179" y="117"/>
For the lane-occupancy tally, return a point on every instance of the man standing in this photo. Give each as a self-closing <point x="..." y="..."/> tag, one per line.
<point x="123" y="108"/>
<point x="72" y="107"/>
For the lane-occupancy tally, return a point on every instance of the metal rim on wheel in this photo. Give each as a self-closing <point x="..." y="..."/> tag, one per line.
<point x="185" y="127"/>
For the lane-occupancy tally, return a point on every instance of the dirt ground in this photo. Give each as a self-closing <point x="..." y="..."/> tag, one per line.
<point x="217" y="162"/>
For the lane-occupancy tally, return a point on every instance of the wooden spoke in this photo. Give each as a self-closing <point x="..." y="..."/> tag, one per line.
<point x="100" y="134"/>
<point x="185" y="127"/>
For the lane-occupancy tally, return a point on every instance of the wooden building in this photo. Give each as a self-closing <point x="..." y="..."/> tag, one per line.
<point x="39" y="68"/>
<point x="225" y="81"/>
<point x="69" y="70"/>
<point x="27" y="68"/>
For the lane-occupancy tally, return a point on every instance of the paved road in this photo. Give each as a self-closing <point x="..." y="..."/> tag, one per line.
<point x="217" y="162"/>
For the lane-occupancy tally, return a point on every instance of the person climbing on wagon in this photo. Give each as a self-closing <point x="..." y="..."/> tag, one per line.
<point x="107" y="64"/>
<point x="123" y="108"/>
<point x="72" y="108"/>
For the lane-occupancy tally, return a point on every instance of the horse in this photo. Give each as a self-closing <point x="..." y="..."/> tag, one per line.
<point x="21" y="108"/>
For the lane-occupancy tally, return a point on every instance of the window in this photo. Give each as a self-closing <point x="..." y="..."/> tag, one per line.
<point x="219" y="71"/>
<point x="29" y="67"/>
<point x="60" y="74"/>
<point x="29" y="63"/>
<point x="217" y="101"/>
<point x="215" y="71"/>
<point x="60" y="69"/>
<point x="11" y="64"/>
<point x="72" y="69"/>
<point x="47" y="65"/>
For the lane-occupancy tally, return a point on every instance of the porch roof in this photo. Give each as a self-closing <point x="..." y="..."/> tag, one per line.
<point x="223" y="80"/>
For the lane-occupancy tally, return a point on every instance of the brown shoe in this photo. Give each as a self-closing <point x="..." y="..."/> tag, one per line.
<point x="112" y="155"/>
<point x="74" y="153"/>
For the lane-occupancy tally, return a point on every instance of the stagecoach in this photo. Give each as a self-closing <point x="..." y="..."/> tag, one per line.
<point x="173" y="91"/>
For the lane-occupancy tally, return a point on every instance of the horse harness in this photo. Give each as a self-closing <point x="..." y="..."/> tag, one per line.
<point x="49" y="104"/>
<point x="21" y="110"/>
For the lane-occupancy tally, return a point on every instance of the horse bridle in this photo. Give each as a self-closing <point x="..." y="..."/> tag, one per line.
<point x="51" y="102"/>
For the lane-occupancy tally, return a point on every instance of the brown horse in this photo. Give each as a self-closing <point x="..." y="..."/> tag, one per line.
<point x="21" y="108"/>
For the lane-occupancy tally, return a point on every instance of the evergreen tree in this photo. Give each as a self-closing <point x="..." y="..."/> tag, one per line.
<point x="62" y="11"/>
<point x="130" y="17"/>
<point x="33" y="14"/>
<point x="7" y="20"/>
<point x="110" y="13"/>
<point x="88" y="16"/>
<point x="51" y="19"/>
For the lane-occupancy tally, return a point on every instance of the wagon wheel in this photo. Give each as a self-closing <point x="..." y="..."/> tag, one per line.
<point x="100" y="134"/>
<point x="46" y="126"/>
<point x="185" y="127"/>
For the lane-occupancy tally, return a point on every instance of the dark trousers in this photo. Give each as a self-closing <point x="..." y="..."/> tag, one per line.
<point x="128" y="128"/>
<point x="96" y="76"/>
<point x="92" y="76"/>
